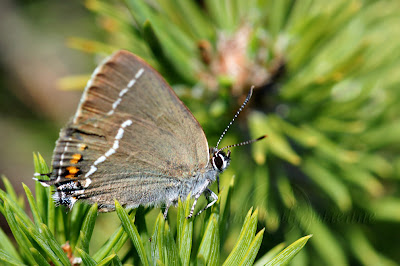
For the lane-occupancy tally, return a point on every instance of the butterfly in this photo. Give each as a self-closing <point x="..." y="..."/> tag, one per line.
<point x="132" y="139"/>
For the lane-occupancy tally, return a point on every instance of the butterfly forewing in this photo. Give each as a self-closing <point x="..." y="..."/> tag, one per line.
<point x="130" y="132"/>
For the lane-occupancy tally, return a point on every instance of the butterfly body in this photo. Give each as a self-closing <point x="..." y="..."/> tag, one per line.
<point x="133" y="140"/>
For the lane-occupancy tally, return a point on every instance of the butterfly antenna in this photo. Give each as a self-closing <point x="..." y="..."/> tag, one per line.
<point x="236" y="115"/>
<point x="243" y="143"/>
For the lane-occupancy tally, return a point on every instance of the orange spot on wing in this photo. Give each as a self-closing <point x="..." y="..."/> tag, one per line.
<point x="72" y="170"/>
<point x="75" y="158"/>
<point x="82" y="147"/>
<point x="70" y="176"/>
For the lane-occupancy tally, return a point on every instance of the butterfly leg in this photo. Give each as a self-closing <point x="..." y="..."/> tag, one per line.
<point x="209" y="194"/>
<point x="193" y="206"/>
<point x="213" y="196"/>
<point x="166" y="211"/>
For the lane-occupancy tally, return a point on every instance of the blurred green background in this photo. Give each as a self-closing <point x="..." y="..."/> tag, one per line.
<point x="326" y="76"/>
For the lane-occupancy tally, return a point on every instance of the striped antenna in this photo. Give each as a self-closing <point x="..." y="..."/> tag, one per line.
<point x="236" y="115"/>
<point x="242" y="143"/>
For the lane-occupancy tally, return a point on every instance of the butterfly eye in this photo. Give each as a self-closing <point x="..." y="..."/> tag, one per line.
<point x="220" y="161"/>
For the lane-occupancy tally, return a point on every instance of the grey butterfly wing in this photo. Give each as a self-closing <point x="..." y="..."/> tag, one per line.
<point x="131" y="139"/>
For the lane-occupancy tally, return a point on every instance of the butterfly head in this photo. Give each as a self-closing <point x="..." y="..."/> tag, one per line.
<point x="220" y="160"/>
